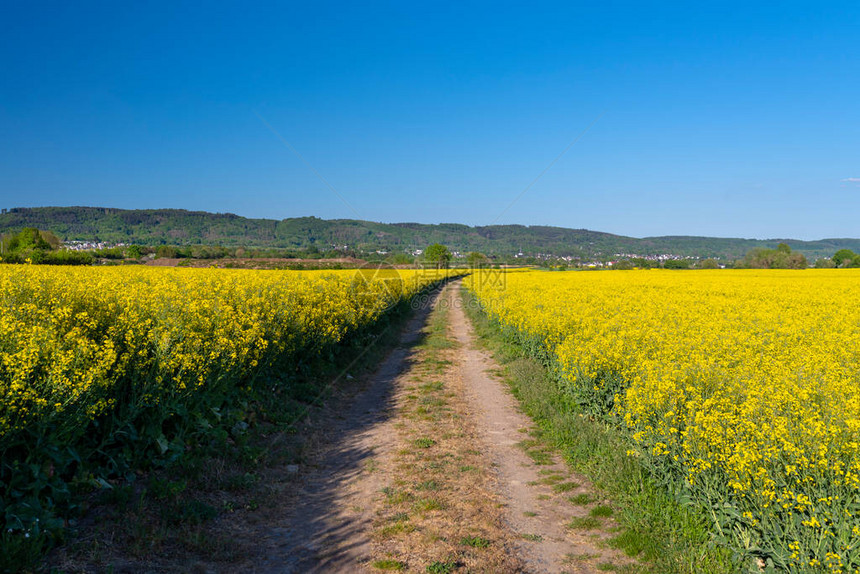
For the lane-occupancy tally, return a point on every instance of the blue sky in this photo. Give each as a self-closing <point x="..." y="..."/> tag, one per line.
<point x="723" y="119"/>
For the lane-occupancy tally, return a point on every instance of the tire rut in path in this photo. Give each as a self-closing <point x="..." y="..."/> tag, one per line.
<point x="538" y="510"/>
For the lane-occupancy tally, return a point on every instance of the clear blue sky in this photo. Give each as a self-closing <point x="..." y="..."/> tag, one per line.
<point x="718" y="118"/>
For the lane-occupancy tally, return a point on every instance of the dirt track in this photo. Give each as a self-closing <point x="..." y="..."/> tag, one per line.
<point x="327" y="520"/>
<point x="359" y="503"/>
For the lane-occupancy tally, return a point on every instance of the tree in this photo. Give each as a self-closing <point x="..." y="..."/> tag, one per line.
<point x="709" y="264"/>
<point x="438" y="255"/>
<point x="29" y="238"/>
<point x="843" y="257"/>
<point x="476" y="259"/>
<point x="29" y="244"/>
<point x="51" y="239"/>
<point x="165" y="251"/>
<point x="780" y="258"/>
<point x="677" y="264"/>
<point x="134" y="251"/>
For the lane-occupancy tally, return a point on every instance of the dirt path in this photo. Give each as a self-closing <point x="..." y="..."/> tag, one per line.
<point x="433" y="469"/>
<point x="327" y="519"/>
<point x="550" y="509"/>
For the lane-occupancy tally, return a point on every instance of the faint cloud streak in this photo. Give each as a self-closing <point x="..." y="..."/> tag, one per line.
<point x="307" y="164"/>
<point x="547" y="168"/>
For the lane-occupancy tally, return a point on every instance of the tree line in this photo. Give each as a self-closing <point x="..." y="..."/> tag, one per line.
<point x="31" y="245"/>
<point x="39" y="247"/>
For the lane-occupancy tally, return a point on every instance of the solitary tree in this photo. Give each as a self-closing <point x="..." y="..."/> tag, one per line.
<point x="437" y="255"/>
<point x="842" y="256"/>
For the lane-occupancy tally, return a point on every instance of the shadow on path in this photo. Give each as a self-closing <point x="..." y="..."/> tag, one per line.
<point x="326" y="520"/>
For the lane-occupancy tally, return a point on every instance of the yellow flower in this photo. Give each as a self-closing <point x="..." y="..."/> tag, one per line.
<point x="743" y="384"/>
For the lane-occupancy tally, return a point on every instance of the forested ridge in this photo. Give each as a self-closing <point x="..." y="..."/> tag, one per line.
<point x="181" y="227"/>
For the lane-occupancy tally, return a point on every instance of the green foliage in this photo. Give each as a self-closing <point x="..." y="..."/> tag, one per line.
<point x="66" y="257"/>
<point x="22" y="242"/>
<point x="134" y="252"/>
<point x="709" y="264"/>
<point x="441" y="567"/>
<point x="595" y="395"/>
<point x="658" y="528"/>
<point x="641" y="263"/>
<point x="109" y="253"/>
<point x="400" y="259"/>
<point x="601" y="511"/>
<point x="205" y="252"/>
<point x="780" y="258"/>
<point x="21" y="550"/>
<point x="475" y="542"/>
<point x="438" y="255"/>
<point x="269" y="238"/>
<point x="200" y="252"/>
<point x="581" y="499"/>
<point x="389" y="564"/>
<point x="584" y="523"/>
<point x="565" y="486"/>
<point x="29" y="238"/>
<point x="477" y="259"/>
<point x="51" y="239"/>
<point x="165" y="252"/>
<point x="49" y="466"/>
<point x="677" y="264"/>
<point x="844" y="258"/>
<point x="31" y="245"/>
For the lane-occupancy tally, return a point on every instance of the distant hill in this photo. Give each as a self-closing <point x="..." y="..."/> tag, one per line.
<point x="181" y="227"/>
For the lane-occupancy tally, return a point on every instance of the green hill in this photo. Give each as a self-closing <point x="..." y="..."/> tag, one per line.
<point x="181" y="227"/>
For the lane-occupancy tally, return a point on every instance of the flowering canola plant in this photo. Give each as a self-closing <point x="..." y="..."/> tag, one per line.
<point x="68" y="335"/>
<point x="82" y="348"/>
<point x="739" y="388"/>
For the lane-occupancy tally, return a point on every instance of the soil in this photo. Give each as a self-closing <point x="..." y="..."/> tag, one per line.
<point x="536" y="489"/>
<point x="343" y="518"/>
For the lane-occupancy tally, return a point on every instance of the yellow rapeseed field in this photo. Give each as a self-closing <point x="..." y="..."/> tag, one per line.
<point x="75" y="340"/>
<point x="107" y="371"/>
<point x="739" y="388"/>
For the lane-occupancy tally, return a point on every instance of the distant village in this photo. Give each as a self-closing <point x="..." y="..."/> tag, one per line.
<point x="90" y="245"/>
<point x="527" y="259"/>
